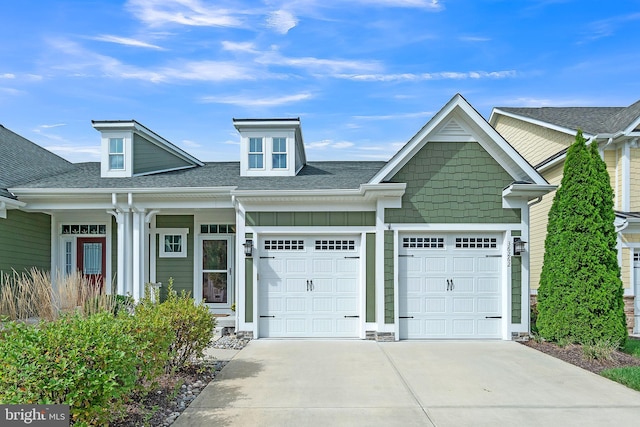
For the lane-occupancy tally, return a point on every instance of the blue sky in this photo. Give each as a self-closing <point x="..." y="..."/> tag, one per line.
<point x="363" y="75"/>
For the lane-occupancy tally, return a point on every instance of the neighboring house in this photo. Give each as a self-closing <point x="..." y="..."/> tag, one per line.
<point x="421" y="246"/>
<point x="543" y="135"/>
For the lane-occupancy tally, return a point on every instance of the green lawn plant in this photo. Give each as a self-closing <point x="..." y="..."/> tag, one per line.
<point x="580" y="298"/>
<point x="97" y="359"/>
<point x="90" y="363"/>
<point x="191" y="324"/>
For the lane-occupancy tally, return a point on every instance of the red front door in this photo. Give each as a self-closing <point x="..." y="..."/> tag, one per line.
<point x="91" y="258"/>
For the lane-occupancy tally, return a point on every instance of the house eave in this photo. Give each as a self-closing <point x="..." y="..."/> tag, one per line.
<point x="542" y="123"/>
<point x="366" y="192"/>
<point x="527" y="191"/>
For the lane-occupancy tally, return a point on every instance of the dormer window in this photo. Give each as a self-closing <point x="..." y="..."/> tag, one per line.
<point x="270" y="147"/>
<point x="116" y="153"/>
<point x="256" y="153"/>
<point x="279" y="153"/>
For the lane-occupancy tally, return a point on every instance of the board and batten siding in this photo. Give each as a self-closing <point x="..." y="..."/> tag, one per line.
<point x="535" y="143"/>
<point x="148" y="157"/>
<point x="180" y="269"/>
<point x="25" y="242"/>
<point x="309" y="219"/>
<point x="452" y="183"/>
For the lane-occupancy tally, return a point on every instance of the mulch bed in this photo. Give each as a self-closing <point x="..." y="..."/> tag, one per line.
<point x="574" y="354"/>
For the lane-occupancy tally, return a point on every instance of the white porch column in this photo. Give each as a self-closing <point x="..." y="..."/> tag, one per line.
<point x="120" y="271"/>
<point x="139" y="254"/>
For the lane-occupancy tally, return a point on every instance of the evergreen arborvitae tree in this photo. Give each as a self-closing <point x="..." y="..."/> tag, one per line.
<point x="580" y="298"/>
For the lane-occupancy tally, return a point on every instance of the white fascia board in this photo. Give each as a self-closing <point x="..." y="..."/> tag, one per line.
<point x="169" y="191"/>
<point x="527" y="191"/>
<point x="11" y="203"/>
<point x="151" y="136"/>
<point x="375" y="190"/>
<point x="536" y="122"/>
<point x="241" y="124"/>
<point x="503" y="152"/>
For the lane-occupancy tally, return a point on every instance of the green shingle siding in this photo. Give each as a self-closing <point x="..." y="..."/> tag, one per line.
<point x="306" y="219"/>
<point x="452" y="182"/>
<point x="371" y="277"/>
<point x="516" y="290"/>
<point x="248" y="286"/>
<point x="389" y="257"/>
<point x="25" y="241"/>
<point x="181" y="269"/>
<point x="148" y="157"/>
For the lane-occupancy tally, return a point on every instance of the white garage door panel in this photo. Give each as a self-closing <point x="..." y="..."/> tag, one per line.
<point x="449" y="285"/>
<point x="321" y="292"/>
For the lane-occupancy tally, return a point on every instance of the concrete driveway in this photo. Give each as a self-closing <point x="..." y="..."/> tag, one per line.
<point x="434" y="383"/>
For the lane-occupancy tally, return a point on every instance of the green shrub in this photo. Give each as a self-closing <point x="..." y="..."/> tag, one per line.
<point x="192" y="324"/>
<point x="580" y="297"/>
<point x="91" y="364"/>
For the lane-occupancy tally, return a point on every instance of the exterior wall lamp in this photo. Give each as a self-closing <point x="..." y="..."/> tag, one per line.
<point x="519" y="246"/>
<point x="248" y="248"/>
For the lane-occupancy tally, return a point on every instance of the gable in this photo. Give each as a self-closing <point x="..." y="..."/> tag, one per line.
<point x="149" y="157"/>
<point x="452" y="182"/>
<point x="458" y="121"/>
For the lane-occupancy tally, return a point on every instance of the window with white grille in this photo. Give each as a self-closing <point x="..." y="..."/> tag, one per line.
<point x="423" y="242"/>
<point x="476" y="243"/>
<point x="335" y="245"/>
<point x="284" y="245"/>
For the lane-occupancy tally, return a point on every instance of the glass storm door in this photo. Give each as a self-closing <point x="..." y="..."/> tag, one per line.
<point x="216" y="269"/>
<point x="91" y="258"/>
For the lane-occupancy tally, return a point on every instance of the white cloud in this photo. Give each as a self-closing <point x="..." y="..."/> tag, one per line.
<point x="50" y="126"/>
<point x="156" y="13"/>
<point x="447" y="75"/>
<point x="474" y="39"/>
<point x="328" y="143"/>
<point x="542" y="102"/>
<point x="396" y="116"/>
<point x="248" y="47"/>
<point x="85" y="63"/>
<point x="319" y="65"/>
<point x="75" y="153"/>
<point x="7" y="76"/>
<point x="190" y="144"/>
<point x="126" y="41"/>
<point x="608" y="27"/>
<point x="251" y="101"/>
<point x="281" y="21"/>
<point x="421" y="4"/>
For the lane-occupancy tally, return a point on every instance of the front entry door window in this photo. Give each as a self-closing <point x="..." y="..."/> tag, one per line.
<point x="215" y="271"/>
<point x="91" y="258"/>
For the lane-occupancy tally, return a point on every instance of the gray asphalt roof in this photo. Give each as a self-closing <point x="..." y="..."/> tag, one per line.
<point x="314" y="176"/>
<point x="22" y="161"/>
<point x="592" y="120"/>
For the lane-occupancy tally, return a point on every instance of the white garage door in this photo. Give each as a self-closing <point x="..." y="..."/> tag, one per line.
<point x="308" y="286"/>
<point x="449" y="286"/>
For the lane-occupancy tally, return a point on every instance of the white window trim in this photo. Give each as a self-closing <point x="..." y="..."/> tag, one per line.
<point x="263" y="142"/>
<point x="285" y="153"/>
<point x="105" y="166"/>
<point x="182" y="232"/>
